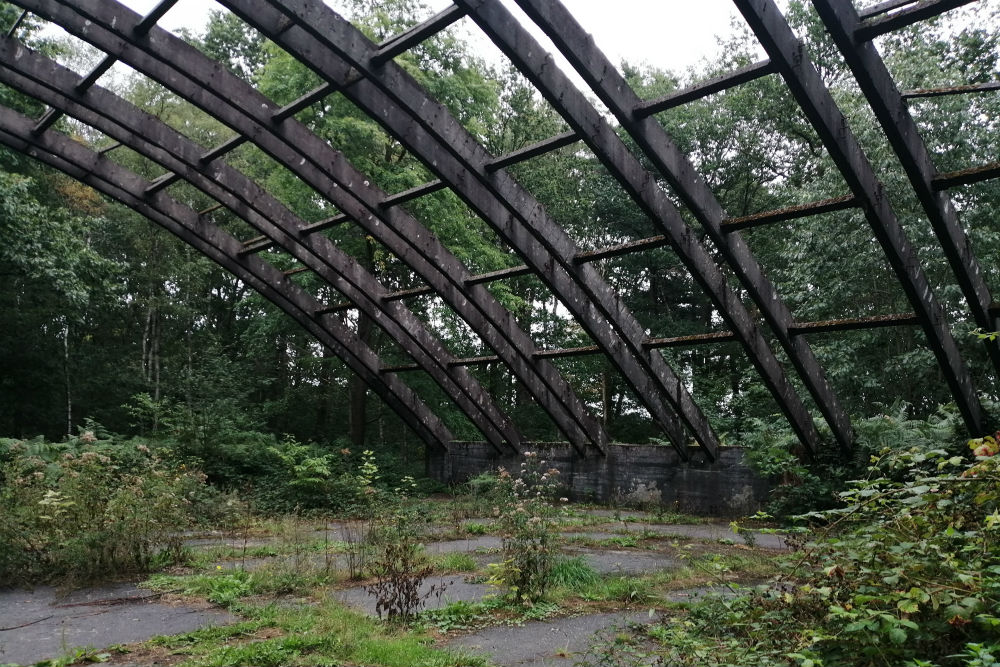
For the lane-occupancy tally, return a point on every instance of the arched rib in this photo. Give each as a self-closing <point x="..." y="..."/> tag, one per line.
<point x="339" y="52"/>
<point x="611" y="87"/>
<point x="90" y="168"/>
<point x="843" y="23"/>
<point x="790" y="57"/>
<point x="47" y="81"/>
<point x="181" y="68"/>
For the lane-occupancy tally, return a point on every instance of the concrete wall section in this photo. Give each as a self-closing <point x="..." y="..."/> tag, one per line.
<point x="629" y="474"/>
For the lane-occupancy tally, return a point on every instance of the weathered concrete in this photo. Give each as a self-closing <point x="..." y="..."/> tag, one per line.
<point x="42" y="624"/>
<point x="629" y="474"/>
<point x="558" y="642"/>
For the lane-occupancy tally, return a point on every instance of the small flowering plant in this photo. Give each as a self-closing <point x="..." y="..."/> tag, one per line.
<point x="525" y="515"/>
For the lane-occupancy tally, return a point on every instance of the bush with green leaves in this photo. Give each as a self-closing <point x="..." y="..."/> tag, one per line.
<point x="906" y="571"/>
<point x="526" y="520"/>
<point x="801" y="486"/>
<point x="90" y="508"/>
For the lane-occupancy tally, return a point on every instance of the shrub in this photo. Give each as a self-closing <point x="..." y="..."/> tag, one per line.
<point x="399" y="564"/>
<point x="526" y="527"/>
<point x="90" y="508"/>
<point x="905" y="572"/>
<point x="802" y="487"/>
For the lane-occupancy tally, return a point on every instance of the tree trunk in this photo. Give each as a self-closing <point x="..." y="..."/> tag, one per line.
<point x="69" y="393"/>
<point x="358" y="391"/>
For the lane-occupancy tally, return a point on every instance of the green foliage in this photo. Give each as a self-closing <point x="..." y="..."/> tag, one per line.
<point x="322" y="634"/>
<point x="458" y="615"/>
<point x="801" y="487"/>
<point x="526" y="526"/>
<point x="90" y="508"/>
<point x="573" y="573"/>
<point x="76" y="656"/>
<point x="906" y="571"/>
<point x="456" y="562"/>
<point x="476" y="528"/>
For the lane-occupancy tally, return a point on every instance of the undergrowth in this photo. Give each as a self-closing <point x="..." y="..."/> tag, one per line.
<point x="906" y="571"/>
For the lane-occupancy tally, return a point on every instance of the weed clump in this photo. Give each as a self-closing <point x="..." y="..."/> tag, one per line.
<point x="527" y="527"/>
<point x="90" y="508"/>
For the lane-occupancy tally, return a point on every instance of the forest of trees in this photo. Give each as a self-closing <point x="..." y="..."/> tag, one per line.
<point x="110" y="320"/>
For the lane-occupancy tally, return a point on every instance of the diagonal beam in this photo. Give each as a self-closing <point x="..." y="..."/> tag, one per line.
<point x="920" y="11"/>
<point x="574" y="43"/>
<point x="842" y="22"/>
<point x="830" y="124"/>
<point x="114" y="181"/>
<point x="45" y="80"/>
<point x="429" y="131"/>
<point x="187" y="72"/>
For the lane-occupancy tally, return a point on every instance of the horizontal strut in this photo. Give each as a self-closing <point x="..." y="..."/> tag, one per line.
<point x="952" y="90"/>
<point x="405" y="41"/>
<point x="920" y="11"/>
<point x="640" y="245"/>
<point x="790" y="213"/>
<point x="705" y="88"/>
<point x="17" y="23"/>
<point x="797" y="328"/>
<point x="966" y="176"/>
<point x="872" y="322"/>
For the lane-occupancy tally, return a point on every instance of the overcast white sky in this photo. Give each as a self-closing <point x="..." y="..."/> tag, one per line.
<point x="670" y="34"/>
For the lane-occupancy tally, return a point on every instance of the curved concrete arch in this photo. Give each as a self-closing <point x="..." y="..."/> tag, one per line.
<point x="90" y="168"/>
<point x="610" y="86"/>
<point x="793" y="64"/>
<point x="366" y="75"/>
<point x="187" y="72"/>
<point x="344" y="57"/>
<point x="47" y="81"/>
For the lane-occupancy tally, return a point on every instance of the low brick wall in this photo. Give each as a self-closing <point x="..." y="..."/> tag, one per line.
<point x="628" y="474"/>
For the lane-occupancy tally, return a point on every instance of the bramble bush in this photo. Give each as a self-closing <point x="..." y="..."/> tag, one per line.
<point x="91" y="507"/>
<point x="906" y="571"/>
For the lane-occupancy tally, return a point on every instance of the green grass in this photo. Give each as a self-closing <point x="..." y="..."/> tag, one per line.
<point x="324" y="634"/>
<point x="459" y="615"/>
<point x="476" y="528"/>
<point x="618" y="589"/>
<point x="574" y="574"/>
<point x="455" y="562"/>
<point x="226" y="587"/>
